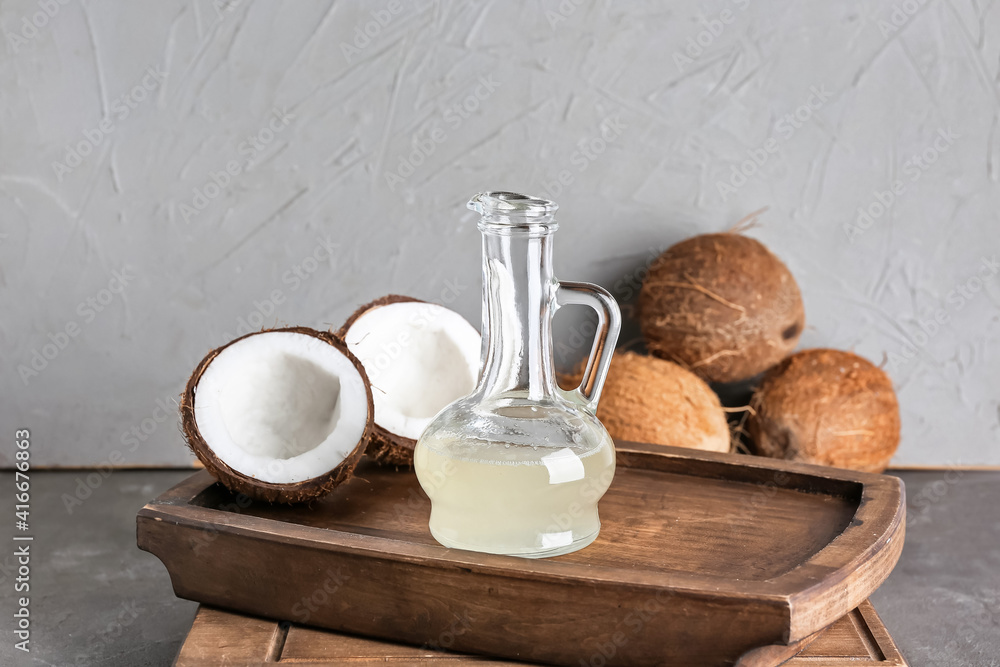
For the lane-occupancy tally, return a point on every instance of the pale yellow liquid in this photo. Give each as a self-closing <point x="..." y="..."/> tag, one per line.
<point x="515" y="500"/>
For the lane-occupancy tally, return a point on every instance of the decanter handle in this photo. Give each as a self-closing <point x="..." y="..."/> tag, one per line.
<point x="609" y="324"/>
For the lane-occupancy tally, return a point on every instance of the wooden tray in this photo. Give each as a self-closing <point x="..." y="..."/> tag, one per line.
<point x="224" y="638"/>
<point x="703" y="559"/>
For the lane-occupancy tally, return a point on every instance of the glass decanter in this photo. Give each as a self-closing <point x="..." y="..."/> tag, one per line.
<point x="517" y="467"/>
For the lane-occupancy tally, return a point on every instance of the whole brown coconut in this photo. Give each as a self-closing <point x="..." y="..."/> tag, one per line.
<point x="827" y="407"/>
<point x="325" y="396"/>
<point x="652" y="400"/>
<point x="721" y="305"/>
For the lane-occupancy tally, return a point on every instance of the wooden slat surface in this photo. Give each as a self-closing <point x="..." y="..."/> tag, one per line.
<point x="323" y="647"/>
<point x="223" y="638"/>
<point x="858" y="639"/>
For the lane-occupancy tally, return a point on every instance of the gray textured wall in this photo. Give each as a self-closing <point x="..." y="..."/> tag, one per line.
<point x="352" y="158"/>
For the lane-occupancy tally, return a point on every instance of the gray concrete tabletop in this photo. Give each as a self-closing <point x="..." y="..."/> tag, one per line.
<point x="97" y="600"/>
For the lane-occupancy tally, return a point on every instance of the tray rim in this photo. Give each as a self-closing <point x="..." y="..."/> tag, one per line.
<point x="815" y="593"/>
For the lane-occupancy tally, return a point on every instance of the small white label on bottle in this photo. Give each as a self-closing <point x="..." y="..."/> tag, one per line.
<point x="564" y="466"/>
<point x="556" y="540"/>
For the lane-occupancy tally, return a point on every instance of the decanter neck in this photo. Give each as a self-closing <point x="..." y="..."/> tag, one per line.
<point x="518" y="300"/>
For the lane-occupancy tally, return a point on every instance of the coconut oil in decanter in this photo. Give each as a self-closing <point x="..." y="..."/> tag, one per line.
<point x="514" y="499"/>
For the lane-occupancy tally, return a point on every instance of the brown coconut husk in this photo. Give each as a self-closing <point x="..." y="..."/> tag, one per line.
<point x="721" y="305"/>
<point x="256" y="489"/>
<point x="385" y="448"/>
<point x="646" y="399"/>
<point x="828" y="407"/>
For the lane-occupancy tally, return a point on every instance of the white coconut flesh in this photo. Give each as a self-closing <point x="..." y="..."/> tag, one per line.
<point x="281" y="407"/>
<point x="419" y="357"/>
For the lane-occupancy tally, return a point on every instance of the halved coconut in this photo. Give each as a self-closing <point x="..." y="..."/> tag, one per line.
<point x="281" y="415"/>
<point x="419" y="357"/>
